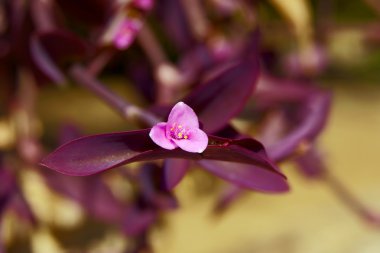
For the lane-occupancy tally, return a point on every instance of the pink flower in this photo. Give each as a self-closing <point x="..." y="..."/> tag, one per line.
<point x="181" y="130"/>
<point x="126" y="33"/>
<point x="145" y="5"/>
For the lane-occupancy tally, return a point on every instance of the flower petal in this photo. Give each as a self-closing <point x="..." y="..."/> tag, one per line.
<point x="158" y="135"/>
<point x="184" y="115"/>
<point x="197" y="143"/>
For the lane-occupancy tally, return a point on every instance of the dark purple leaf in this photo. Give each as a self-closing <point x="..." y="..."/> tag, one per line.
<point x="90" y="192"/>
<point x="224" y="96"/>
<point x="196" y="61"/>
<point x="262" y="181"/>
<point x="272" y="91"/>
<point x="44" y="62"/>
<point x="173" y="18"/>
<point x="247" y="176"/>
<point x="94" y="154"/>
<point x="314" y="118"/>
<point x="20" y="27"/>
<point x="92" y="12"/>
<point x="174" y="171"/>
<point x="53" y="49"/>
<point x="63" y="46"/>
<point x="140" y="72"/>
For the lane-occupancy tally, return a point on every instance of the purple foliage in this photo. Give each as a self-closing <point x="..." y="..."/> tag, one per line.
<point x="212" y="55"/>
<point x="94" y="154"/>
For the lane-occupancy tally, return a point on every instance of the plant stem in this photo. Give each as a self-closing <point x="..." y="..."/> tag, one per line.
<point x="151" y="46"/>
<point x="197" y="18"/>
<point x="41" y="11"/>
<point x="169" y="78"/>
<point x="350" y="200"/>
<point x="127" y="110"/>
<point x="99" y="62"/>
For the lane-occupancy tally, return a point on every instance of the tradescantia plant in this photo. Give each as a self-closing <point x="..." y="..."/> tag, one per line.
<point x="197" y="66"/>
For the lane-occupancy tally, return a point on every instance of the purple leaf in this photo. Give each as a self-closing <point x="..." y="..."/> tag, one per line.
<point x="44" y="62"/>
<point x="94" y="154"/>
<point x="63" y="46"/>
<point x="174" y="172"/>
<point x="272" y="91"/>
<point x="172" y="16"/>
<point x="314" y="119"/>
<point x="224" y="96"/>
<point x="53" y="49"/>
<point x="247" y="176"/>
<point x="92" y="12"/>
<point x="90" y="192"/>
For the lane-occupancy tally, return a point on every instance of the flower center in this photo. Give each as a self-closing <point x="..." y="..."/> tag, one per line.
<point x="179" y="132"/>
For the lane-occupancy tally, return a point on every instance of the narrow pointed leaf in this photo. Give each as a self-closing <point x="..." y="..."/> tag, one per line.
<point x="90" y="12"/>
<point x="91" y="193"/>
<point x="44" y="62"/>
<point x="315" y="117"/>
<point x="94" y="154"/>
<point x="53" y="49"/>
<point x="224" y="96"/>
<point x="247" y="176"/>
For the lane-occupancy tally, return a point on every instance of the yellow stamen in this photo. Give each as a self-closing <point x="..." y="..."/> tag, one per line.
<point x="186" y="137"/>
<point x="180" y="135"/>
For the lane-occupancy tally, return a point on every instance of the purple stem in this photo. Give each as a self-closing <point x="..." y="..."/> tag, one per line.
<point x="169" y="78"/>
<point x="350" y="200"/>
<point x="196" y="18"/>
<point x="99" y="62"/>
<point x="127" y="110"/>
<point x="41" y="11"/>
<point x="151" y="46"/>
